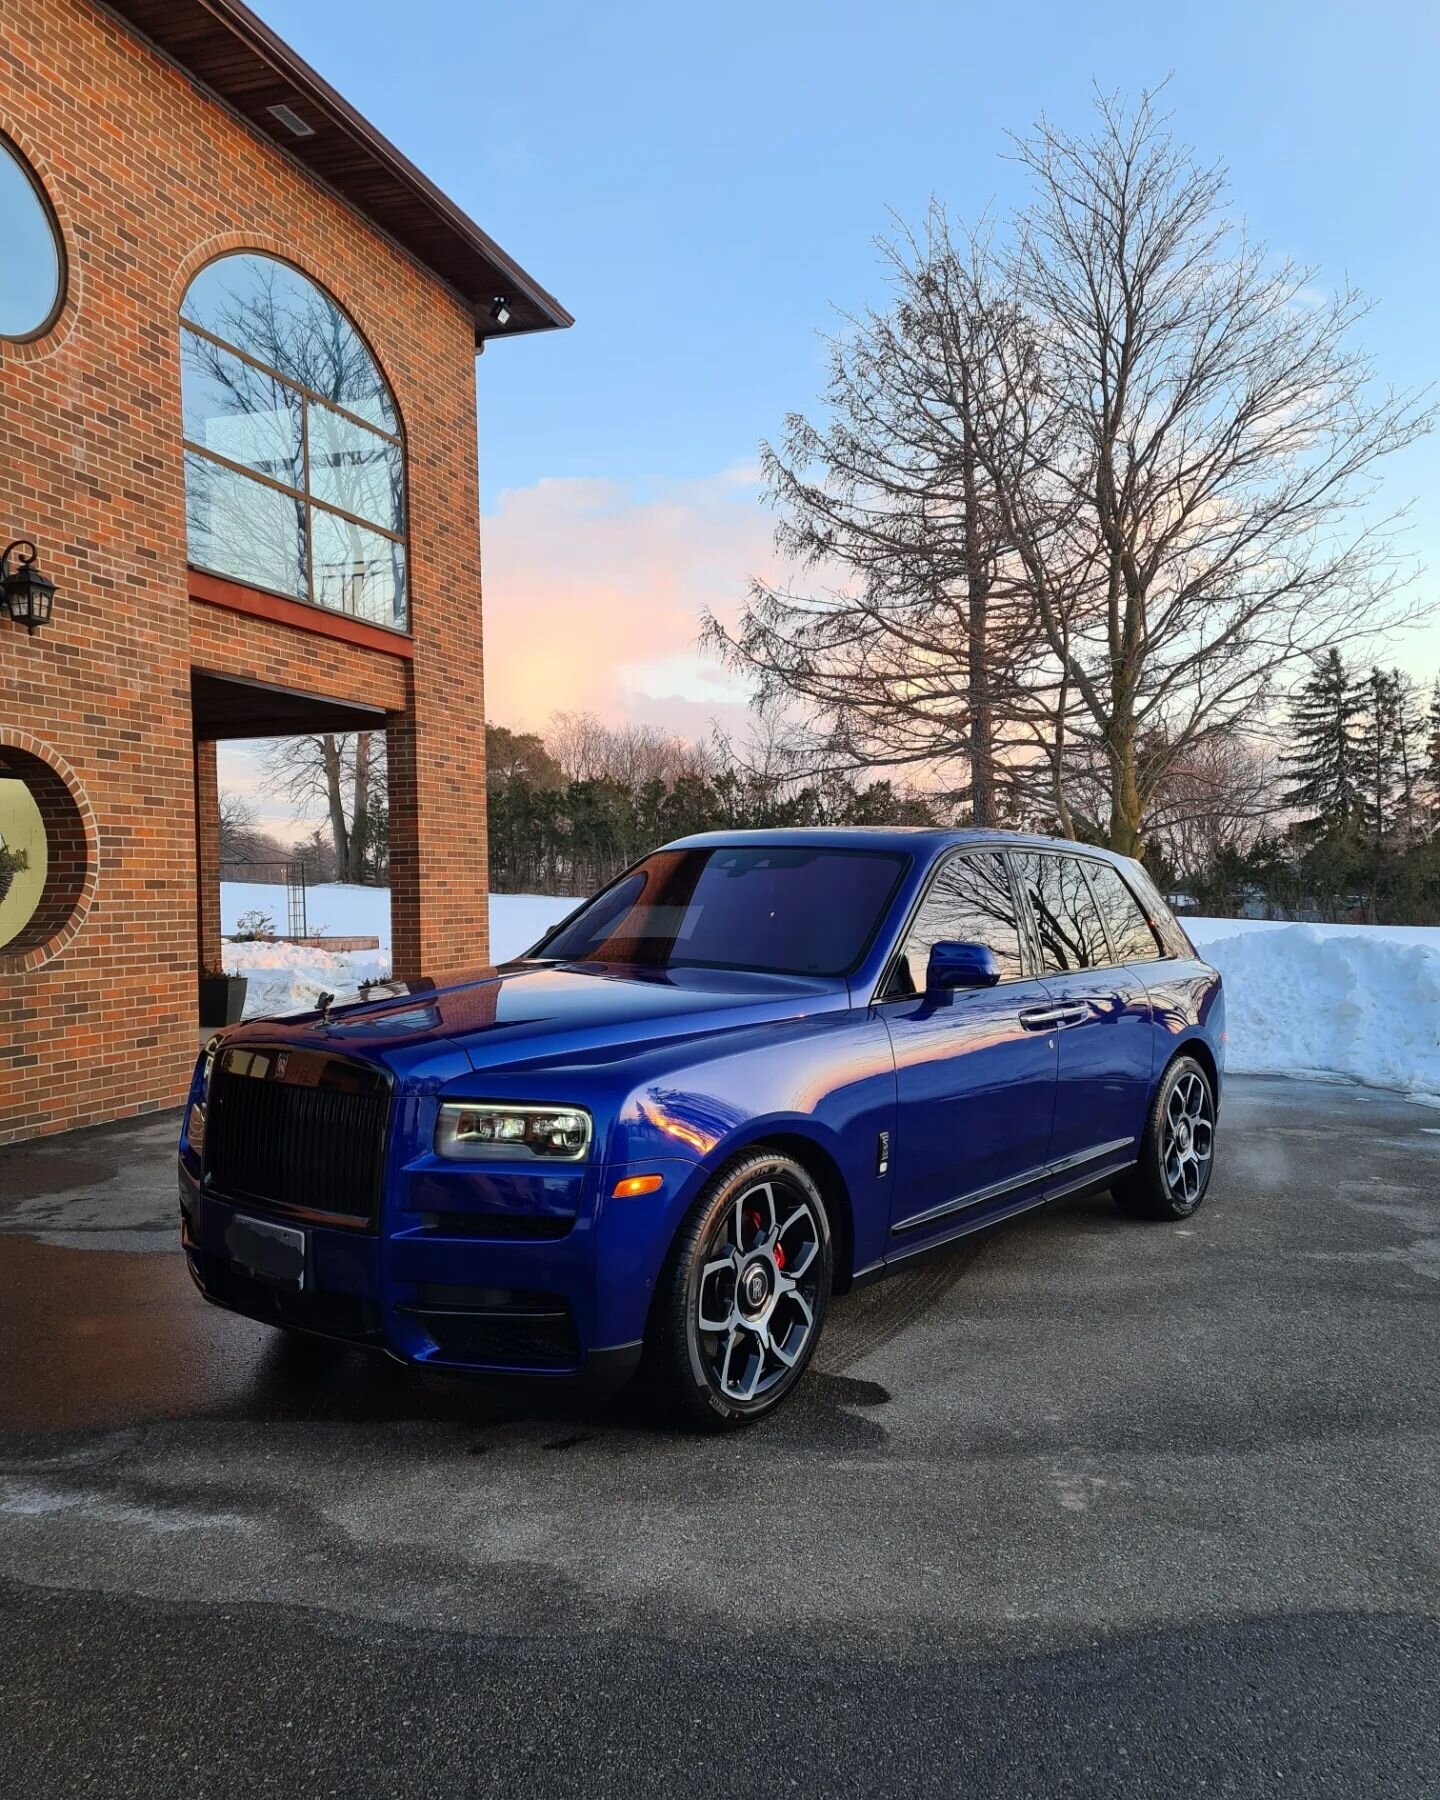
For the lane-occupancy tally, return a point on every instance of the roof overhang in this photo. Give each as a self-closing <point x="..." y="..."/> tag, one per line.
<point x="223" y="47"/>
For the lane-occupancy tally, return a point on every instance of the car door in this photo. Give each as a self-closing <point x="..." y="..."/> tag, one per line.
<point x="1101" y="1025"/>
<point x="975" y="1086"/>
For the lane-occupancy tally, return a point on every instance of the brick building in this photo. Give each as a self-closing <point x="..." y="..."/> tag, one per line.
<point x="237" y="341"/>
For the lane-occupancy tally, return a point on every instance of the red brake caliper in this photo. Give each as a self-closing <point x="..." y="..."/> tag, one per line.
<point x="779" y="1256"/>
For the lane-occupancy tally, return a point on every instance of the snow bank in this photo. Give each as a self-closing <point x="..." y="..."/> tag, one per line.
<point x="287" y="977"/>
<point x="1361" y="1001"/>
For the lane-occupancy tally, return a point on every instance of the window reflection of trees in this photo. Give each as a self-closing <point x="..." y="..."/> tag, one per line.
<point x="295" y="470"/>
<point x="1071" y="933"/>
<point x="1129" y="929"/>
<point x="970" y="902"/>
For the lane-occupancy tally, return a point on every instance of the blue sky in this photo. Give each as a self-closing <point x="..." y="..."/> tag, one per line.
<point x="701" y="187"/>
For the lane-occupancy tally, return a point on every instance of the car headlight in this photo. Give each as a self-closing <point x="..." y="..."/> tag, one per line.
<point x="475" y="1131"/>
<point x="195" y="1119"/>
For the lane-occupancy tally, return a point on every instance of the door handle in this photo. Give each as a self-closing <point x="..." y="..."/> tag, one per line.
<point x="1053" y="1018"/>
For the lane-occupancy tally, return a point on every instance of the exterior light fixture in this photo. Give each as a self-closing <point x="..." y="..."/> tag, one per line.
<point x="291" y="120"/>
<point x="26" y="593"/>
<point x="500" y="310"/>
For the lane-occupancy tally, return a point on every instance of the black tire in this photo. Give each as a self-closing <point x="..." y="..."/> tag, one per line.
<point x="1177" y="1150"/>
<point x="758" y="1217"/>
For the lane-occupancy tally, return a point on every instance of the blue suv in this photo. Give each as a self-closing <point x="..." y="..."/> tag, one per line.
<point x="758" y="1069"/>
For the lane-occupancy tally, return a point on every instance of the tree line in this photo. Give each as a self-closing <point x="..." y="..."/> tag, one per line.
<point x="1358" y="791"/>
<point x="1342" y="822"/>
<point x="569" y="810"/>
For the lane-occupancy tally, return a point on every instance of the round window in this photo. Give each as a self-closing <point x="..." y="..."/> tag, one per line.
<point x="47" y="855"/>
<point x="23" y="858"/>
<point x="32" y="268"/>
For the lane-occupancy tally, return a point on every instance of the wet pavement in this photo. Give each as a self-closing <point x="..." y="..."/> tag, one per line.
<point x="1091" y="1507"/>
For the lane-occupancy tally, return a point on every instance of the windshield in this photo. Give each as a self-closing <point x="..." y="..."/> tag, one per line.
<point x="778" y="910"/>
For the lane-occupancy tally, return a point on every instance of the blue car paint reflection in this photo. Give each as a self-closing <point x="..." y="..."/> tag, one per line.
<point x="920" y="1115"/>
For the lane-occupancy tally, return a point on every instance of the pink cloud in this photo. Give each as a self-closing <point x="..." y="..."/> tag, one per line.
<point x="593" y="597"/>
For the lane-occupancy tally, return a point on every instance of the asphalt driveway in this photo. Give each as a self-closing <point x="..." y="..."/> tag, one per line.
<point x="1091" y="1508"/>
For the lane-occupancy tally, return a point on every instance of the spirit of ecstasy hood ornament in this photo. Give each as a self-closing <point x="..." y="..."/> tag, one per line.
<point x="322" y="1006"/>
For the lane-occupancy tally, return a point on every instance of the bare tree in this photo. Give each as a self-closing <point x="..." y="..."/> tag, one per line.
<point x="923" y="647"/>
<point x="343" y="773"/>
<point x="1215" y="801"/>
<point x="1182" y="479"/>
<point x="629" y="755"/>
<point x="237" y="827"/>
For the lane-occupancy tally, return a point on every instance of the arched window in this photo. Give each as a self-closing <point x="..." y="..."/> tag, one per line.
<point x="294" y="462"/>
<point x="32" y="263"/>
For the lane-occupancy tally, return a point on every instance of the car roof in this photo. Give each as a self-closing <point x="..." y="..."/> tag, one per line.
<point x="911" y="839"/>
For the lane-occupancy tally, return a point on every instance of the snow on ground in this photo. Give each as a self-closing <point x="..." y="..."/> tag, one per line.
<point x="335" y="909"/>
<point x="519" y="920"/>
<point x="1361" y="1001"/>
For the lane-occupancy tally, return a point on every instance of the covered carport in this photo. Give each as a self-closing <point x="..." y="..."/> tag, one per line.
<point x="226" y="708"/>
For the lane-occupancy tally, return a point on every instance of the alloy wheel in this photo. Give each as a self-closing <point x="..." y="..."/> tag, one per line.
<point x="1188" y="1140"/>
<point x="756" y="1298"/>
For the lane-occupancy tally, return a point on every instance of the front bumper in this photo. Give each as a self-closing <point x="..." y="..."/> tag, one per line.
<point x="572" y="1304"/>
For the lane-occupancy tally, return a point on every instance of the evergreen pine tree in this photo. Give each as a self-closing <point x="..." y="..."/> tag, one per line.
<point x="1410" y="750"/>
<point x="1323" y="723"/>
<point x="1377" y="757"/>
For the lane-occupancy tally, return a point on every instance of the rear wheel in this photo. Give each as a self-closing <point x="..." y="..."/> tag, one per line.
<point x="1177" y="1152"/>
<point x="744" y="1295"/>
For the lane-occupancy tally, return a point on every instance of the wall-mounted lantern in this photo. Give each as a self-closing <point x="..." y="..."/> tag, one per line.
<point x="26" y="593"/>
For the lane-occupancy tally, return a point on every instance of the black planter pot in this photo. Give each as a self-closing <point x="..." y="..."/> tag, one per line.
<point x="222" y="1000"/>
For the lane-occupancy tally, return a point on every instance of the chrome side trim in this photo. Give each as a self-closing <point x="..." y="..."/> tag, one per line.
<point x="965" y="1226"/>
<point x="1090" y="1177"/>
<point x="1085" y="1156"/>
<point x="977" y="1197"/>
<point x="997" y="1190"/>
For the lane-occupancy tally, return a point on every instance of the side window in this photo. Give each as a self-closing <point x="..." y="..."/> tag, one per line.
<point x="1129" y="929"/>
<point x="970" y="902"/>
<point x="1066" y="919"/>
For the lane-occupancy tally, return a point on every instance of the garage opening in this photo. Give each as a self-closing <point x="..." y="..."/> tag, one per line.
<point x="269" y="890"/>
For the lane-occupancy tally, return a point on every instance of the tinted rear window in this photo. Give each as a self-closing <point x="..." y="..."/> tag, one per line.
<point x="779" y="910"/>
<point x="1130" y="933"/>
<point x="1067" y="922"/>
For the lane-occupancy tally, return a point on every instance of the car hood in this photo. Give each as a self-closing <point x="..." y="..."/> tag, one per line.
<point x="525" y="1013"/>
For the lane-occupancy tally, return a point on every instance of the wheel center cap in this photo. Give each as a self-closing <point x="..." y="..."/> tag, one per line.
<point x="755" y="1287"/>
<point x="1182" y="1136"/>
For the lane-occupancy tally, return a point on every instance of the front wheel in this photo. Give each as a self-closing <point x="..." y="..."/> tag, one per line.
<point x="744" y="1294"/>
<point x="1177" y="1152"/>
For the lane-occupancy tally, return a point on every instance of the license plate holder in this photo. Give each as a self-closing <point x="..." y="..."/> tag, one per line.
<point x="270" y="1252"/>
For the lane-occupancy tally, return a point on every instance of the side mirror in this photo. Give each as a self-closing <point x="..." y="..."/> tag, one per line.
<point x="961" y="966"/>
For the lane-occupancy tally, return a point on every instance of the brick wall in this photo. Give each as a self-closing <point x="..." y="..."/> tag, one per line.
<point x="150" y="179"/>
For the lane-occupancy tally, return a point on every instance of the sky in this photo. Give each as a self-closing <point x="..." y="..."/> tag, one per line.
<point x="702" y="188"/>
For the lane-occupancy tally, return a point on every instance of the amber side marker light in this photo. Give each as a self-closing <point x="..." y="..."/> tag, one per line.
<point x="635" y="1185"/>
